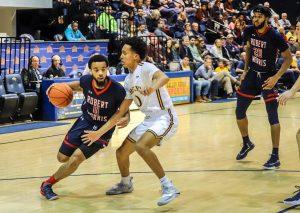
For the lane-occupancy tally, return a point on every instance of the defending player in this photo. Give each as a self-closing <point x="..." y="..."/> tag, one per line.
<point x="103" y="97"/>
<point x="145" y="86"/>
<point x="294" y="200"/>
<point x="262" y="46"/>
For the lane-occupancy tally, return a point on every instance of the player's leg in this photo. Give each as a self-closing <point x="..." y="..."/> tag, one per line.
<point x="163" y="126"/>
<point x="272" y="110"/>
<point x="245" y="94"/>
<point x="122" y="154"/>
<point x="295" y="199"/>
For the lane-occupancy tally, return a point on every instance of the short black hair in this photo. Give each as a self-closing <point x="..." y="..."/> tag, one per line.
<point x="137" y="45"/>
<point x="97" y="58"/>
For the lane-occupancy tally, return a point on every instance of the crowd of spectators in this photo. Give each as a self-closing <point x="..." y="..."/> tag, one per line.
<point x="204" y="36"/>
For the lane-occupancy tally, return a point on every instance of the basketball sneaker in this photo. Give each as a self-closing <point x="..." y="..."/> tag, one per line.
<point x="272" y="163"/>
<point x="120" y="188"/>
<point x="169" y="193"/>
<point x="47" y="192"/>
<point x="244" y="151"/>
<point x="295" y="200"/>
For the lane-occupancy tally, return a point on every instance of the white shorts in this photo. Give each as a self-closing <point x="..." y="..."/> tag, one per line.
<point x="162" y="124"/>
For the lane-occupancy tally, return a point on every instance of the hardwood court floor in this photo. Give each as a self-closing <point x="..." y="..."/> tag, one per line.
<point x="200" y="160"/>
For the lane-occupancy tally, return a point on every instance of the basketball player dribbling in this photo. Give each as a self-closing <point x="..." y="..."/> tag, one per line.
<point x="103" y="97"/>
<point x="263" y="44"/>
<point x="145" y="86"/>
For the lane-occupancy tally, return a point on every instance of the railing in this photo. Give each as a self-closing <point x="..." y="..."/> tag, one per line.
<point x="14" y="54"/>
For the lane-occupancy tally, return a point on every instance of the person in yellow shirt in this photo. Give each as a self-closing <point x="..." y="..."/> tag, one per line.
<point x="223" y="71"/>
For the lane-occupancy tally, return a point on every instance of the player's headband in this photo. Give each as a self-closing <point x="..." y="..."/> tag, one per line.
<point x="263" y="10"/>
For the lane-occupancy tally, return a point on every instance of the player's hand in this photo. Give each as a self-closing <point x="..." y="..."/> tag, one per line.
<point x="123" y="122"/>
<point x="90" y="137"/>
<point x="284" y="97"/>
<point x="148" y="91"/>
<point x="270" y="82"/>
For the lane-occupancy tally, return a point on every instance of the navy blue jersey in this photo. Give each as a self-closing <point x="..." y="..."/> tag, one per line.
<point x="100" y="105"/>
<point x="264" y="48"/>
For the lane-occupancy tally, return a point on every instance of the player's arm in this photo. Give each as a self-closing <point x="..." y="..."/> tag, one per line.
<point x="124" y="121"/>
<point x="271" y="82"/>
<point x="159" y="80"/>
<point x="75" y="85"/>
<point x="247" y="59"/>
<point x="284" y="97"/>
<point x="91" y="136"/>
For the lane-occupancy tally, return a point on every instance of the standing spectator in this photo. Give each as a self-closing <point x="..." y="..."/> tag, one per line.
<point x="106" y="22"/>
<point x="72" y="33"/>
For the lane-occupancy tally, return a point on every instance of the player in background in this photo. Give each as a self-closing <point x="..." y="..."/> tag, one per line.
<point x="103" y="97"/>
<point x="283" y="98"/>
<point x="263" y="44"/>
<point x="145" y="86"/>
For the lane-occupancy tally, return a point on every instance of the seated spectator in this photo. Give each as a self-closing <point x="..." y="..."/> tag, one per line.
<point x="176" y="50"/>
<point x="203" y="51"/>
<point x="142" y="31"/>
<point x="106" y="22"/>
<point x="291" y="43"/>
<point x="228" y="6"/>
<point x="186" y="65"/>
<point x="241" y="64"/>
<point x="188" y="30"/>
<point x="218" y="51"/>
<point x="275" y="22"/>
<point x="153" y="20"/>
<point x="55" y="70"/>
<point x="159" y="30"/>
<point x="168" y="10"/>
<point x="72" y="33"/>
<point x="284" y="21"/>
<point x="147" y="8"/>
<point x="32" y="77"/>
<point x="232" y="47"/>
<point x="184" y="48"/>
<point x="217" y="8"/>
<point x="196" y="31"/>
<point x="206" y="72"/>
<point x="223" y="69"/>
<point x="139" y="18"/>
<point x="194" y="50"/>
<point x="127" y="5"/>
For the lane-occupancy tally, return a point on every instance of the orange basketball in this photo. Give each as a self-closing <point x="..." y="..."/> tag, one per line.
<point x="60" y="95"/>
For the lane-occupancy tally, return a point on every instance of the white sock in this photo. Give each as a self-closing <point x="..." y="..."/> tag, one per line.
<point x="126" y="180"/>
<point x="165" y="181"/>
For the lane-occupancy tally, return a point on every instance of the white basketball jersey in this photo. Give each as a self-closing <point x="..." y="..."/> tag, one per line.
<point x="141" y="79"/>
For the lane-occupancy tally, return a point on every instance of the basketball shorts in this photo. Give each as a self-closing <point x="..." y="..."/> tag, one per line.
<point x="252" y="86"/>
<point x="162" y="124"/>
<point x="73" y="140"/>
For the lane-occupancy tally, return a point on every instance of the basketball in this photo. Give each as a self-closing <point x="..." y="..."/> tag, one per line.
<point x="60" y="95"/>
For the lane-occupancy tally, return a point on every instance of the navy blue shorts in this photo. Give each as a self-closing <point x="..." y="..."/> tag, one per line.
<point x="73" y="141"/>
<point x="252" y="86"/>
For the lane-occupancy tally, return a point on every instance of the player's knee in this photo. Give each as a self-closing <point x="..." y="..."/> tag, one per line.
<point x="76" y="160"/>
<point x="140" y="147"/>
<point x="272" y="112"/>
<point x="240" y="112"/>
<point x="62" y="158"/>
